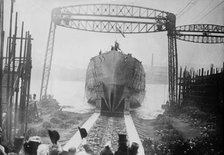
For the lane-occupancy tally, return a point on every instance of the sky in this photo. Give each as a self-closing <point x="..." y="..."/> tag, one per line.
<point x="74" y="48"/>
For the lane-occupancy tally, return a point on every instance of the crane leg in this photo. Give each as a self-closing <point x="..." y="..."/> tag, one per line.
<point x="172" y="68"/>
<point x="47" y="61"/>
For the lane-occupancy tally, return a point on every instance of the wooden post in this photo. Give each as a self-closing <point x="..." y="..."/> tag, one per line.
<point x="194" y="80"/>
<point x="2" y="33"/>
<point x="8" y="90"/>
<point x="28" y="74"/>
<point x="8" y="76"/>
<point x="18" y="83"/>
<point x="184" y="83"/>
<point x="1" y="77"/>
<point x="222" y="67"/>
<point x="180" y="83"/>
<point x="12" y="79"/>
<point x="193" y="77"/>
<point x="189" y="83"/>
<point x="211" y="69"/>
<point x="23" y="91"/>
<point x="202" y="75"/>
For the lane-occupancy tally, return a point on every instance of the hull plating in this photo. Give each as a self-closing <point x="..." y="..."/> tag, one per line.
<point x="114" y="77"/>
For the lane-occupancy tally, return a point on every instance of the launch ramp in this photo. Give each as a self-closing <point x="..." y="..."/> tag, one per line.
<point x="102" y="129"/>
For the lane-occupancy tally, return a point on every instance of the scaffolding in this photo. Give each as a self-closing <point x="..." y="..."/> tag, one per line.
<point x="15" y="75"/>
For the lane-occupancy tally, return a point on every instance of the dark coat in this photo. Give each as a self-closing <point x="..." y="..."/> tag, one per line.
<point x="119" y="152"/>
<point x="30" y="147"/>
<point x="106" y="151"/>
<point x="122" y="150"/>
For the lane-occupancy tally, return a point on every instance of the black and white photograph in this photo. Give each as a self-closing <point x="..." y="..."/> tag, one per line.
<point x="111" y="77"/>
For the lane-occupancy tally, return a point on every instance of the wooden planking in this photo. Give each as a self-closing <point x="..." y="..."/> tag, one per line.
<point x="76" y="140"/>
<point x="133" y="134"/>
<point x="201" y="85"/>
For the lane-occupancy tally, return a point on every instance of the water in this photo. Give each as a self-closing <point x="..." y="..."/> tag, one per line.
<point x="156" y="95"/>
<point x="72" y="95"/>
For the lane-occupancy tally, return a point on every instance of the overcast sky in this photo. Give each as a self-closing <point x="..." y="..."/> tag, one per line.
<point x="74" y="48"/>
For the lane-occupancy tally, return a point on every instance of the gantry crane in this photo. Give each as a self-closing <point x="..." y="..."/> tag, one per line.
<point x="128" y="19"/>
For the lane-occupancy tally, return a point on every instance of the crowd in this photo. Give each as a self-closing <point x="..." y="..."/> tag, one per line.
<point x="205" y="145"/>
<point x="34" y="146"/>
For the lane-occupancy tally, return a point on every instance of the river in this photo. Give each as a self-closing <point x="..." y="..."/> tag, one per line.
<point x="72" y="94"/>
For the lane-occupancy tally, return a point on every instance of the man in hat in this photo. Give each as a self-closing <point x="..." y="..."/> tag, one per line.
<point x="3" y="148"/>
<point x="122" y="145"/>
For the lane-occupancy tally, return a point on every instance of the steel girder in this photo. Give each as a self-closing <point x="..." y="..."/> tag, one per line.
<point x="47" y="61"/>
<point x="110" y="18"/>
<point x="172" y="58"/>
<point x="172" y="68"/>
<point x="201" y="33"/>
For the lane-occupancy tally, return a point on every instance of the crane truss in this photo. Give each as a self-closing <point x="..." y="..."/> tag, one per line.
<point x="47" y="61"/>
<point x="201" y="33"/>
<point x="127" y="19"/>
<point x="110" y="18"/>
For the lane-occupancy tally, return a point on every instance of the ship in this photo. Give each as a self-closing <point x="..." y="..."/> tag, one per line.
<point x="115" y="81"/>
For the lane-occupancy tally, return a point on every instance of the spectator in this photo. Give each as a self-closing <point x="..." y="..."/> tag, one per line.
<point x="3" y="149"/>
<point x="106" y="150"/>
<point x="72" y="151"/>
<point x="133" y="150"/>
<point x="43" y="149"/>
<point x="31" y="146"/>
<point x="54" y="136"/>
<point x="83" y="132"/>
<point x="122" y="148"/>
<point x="56" y="148"/>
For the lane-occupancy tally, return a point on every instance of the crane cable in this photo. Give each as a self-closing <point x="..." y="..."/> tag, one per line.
<point x="210" y="11"/>
<point x="183" y="11"/>
<point x="205" y="9"/>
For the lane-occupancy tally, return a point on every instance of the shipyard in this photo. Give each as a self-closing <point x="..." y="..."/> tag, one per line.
<point x="110" y="77"/>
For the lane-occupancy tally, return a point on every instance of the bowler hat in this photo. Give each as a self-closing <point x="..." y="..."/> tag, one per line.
<point x="122" y="138"/>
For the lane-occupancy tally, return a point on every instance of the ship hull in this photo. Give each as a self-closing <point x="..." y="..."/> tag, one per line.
<point x="112" y="78"/>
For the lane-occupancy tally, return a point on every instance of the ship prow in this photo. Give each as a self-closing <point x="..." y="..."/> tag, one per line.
<point x="115" y="81"/>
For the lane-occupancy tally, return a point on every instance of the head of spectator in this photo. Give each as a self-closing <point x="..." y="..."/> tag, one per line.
<point x="53" y="152"/>
<point x="87" y="149"/>
<point x="72" y="151"/>
<point x="30" y="147"/>
<point x="0" y="133"/>
<point x="106" y="150"/>
<point x="133" y="150"/>
<point x="18" y="143"/>
<point x="43" y="149"/>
